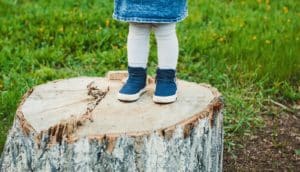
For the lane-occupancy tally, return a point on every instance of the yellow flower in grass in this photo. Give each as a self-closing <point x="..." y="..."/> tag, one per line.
<point x="41" y="29"/>
<point x="285" y="10"/>
<point x="61" y="29"/>
<point x="222" y="39"/>
<point x="254" y="38"/>
<point x="107" y="23"/>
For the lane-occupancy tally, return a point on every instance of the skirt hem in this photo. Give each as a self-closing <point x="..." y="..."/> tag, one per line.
<point x="149" y="20"/>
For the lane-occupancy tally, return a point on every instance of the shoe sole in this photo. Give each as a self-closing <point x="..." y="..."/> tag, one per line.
<point x="131" y="97"/>
<point x="164" y="99"/>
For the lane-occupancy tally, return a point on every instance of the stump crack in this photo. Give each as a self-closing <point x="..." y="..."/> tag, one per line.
<point x="66" y="128"/>
<point x="96" y="93"/>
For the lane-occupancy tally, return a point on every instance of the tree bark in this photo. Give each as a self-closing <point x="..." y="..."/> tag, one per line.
<point x="77" y="124"/>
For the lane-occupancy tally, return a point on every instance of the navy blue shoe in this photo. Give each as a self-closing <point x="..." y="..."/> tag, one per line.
<point x="135" y="85"/>
<point x="166" y="86"/>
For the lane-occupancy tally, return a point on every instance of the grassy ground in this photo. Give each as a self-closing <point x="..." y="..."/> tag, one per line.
<point x="248" y="49"/>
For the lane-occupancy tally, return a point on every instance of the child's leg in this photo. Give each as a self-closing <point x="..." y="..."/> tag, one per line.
<point x="138" y="44"/>
<point x="167" y="45"/>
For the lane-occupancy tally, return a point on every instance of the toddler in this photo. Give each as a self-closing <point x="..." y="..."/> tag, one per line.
<point x="143" y="16"/>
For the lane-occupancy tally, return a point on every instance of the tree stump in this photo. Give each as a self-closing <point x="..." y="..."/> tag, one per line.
<point x="78" y="124"/>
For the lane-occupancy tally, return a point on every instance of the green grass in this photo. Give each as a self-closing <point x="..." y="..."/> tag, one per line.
<point x="248" y="49"/>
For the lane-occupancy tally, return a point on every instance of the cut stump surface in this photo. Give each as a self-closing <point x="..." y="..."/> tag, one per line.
<point x="68" y="111"/>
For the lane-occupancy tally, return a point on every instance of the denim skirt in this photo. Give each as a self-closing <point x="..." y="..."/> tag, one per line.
<point x="150" y="11"/>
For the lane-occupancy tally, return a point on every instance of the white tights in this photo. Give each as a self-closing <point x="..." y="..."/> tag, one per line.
<point x="138" y="44"/>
